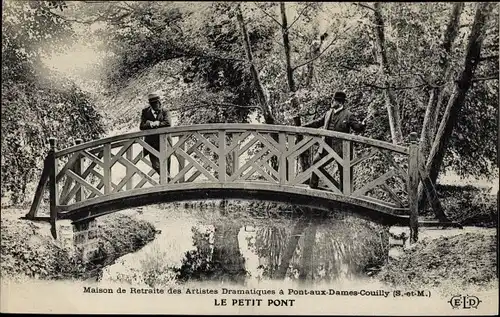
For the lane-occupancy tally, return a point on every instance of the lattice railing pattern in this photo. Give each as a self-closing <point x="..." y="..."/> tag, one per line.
<point x="233" y="154"/>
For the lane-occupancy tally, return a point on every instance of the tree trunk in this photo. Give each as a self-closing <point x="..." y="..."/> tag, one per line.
<point x="437" y="93"/>
<point x="304" y="158"/>
<point x="462" y="85"/>
<point x="227" y="257"/>
<point x="266" y="111"/>
<point x="298" y="229"/>
<point x="432" y="111"/>
<point x="307" y="252"/>
<point x="390" y="100"/>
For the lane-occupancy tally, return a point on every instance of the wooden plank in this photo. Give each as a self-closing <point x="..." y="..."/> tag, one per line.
<point x="378" y="201"/>
<point x="179" y="130"/>
<point x="182" y="173"/>
<point x="393" y="195"/>
<point x="122" y="151"/>
<point x="67" y="166"/>
<point x="270" y="139"/>
<point x="371" y="153"/>
<point x="431" y="193"/>
<point x="78" y="171"/>
<point x="180" y="160"/>
<point x="303" y="145"/>
<point x="180" y="144"/>
<point x="163" y="159"/>
<point x="236" y="141"/>
<point x="331" y="151"/>
<point x="413" y="186"/>
<point x="248" y="145"/>
<point x="328" y="179"/>
<point x="53" y="191"/>
<point x="68" y="182"/>
<point x="144" y="180"/>
<point x="282" y="164"/>
<point x="209" y="144"/>
<point x="92" y="157"/>
<point x="268" y="145"/>
<point x="40" y="188"/>
<point x="84" y="183"/>
<point x="222" y="156"/>
<point x="256" y="168"/>
<point x="307" y="173"/>
<point x="400" y="171"/>
<point x="247" y="164"/>
<point x="205" y="159"/>
<point x="148" y="147"/>
<point x="193" y="177"/>
<point x="291" y="160"/>
<point x="371" y="185"/>
<point x="107" y="168"/>
<point x="197" y="165"/>
<point x="137" y="170"/>
<point x="130" y="173"/>
<point x="347" y="185"/>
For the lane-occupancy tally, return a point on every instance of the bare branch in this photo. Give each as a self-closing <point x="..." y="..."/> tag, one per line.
<point x="195" y="54"/>
<point x="489" y="57"/>
<point x="269" y="15"/>
<point x="395" y="87"/>
<point x="320" y="53"/>
<point x="491" y="77"/>
<point x="298" y="16"/>
<point x="205" y="104"/>
<point x="364" y="6"/>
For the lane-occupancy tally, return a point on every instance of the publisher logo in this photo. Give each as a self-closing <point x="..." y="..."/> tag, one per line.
<point x="465" y="302"/>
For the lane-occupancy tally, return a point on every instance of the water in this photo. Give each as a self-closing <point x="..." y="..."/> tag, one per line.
<point x="246" y="248"/>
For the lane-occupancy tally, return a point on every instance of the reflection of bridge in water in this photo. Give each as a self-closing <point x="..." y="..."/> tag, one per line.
<point x="241" y="161"/>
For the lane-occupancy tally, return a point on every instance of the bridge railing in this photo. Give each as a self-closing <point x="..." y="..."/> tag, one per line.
<point x="351" y="165"/>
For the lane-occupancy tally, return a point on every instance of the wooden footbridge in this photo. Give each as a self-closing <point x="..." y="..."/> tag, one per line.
<point x="242" y="161"/>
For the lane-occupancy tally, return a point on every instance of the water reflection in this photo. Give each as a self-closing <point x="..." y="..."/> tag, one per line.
<point x="305" y="249"/>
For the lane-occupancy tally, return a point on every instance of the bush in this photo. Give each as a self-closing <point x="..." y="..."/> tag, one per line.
<point x="468" y="205"/>
<point x="31" y="113"/>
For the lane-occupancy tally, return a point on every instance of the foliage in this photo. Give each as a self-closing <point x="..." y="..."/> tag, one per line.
<point x="469" y="205"/>
<point x="35" y="104"/>
<point x="27" y="249"/>
<point x="207" y="39"/>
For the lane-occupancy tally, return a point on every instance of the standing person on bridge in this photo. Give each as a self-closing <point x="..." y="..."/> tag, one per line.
<point x="154" y="117"/>
<point x="340" y="119"/>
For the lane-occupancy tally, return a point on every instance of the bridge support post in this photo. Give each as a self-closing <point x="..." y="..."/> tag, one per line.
<point x="78" y="171"/>
<point x="130" y="172"/>
<point x="413" y="186"/>
<point x="52" y="162"/>
<point x="86" y="239"/>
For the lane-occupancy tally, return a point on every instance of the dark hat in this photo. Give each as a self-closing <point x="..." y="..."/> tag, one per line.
<point x="153" y="97"/>
<point x="339" y="96"/>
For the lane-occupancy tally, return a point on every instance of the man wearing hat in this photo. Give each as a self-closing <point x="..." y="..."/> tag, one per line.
<point x="340" y="119"/>
<point x="154" y="117"/>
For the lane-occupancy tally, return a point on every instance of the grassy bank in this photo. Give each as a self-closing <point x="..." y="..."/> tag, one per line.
<point x="451" y="264"/>
<point x="28" y="249"/>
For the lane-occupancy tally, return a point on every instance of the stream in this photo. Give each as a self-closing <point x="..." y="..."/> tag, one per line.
<point x="212" y="245"/>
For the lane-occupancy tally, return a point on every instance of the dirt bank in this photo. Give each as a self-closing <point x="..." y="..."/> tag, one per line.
<point x="451" y="264"/>
<point x="28" y="249"/>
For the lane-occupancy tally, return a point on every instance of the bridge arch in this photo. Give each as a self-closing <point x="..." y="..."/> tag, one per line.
<point x="245" y="161"/>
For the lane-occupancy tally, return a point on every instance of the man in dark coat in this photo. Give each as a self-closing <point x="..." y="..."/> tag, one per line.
<point x="154" y="117"/>
<point x="340" y="119"/>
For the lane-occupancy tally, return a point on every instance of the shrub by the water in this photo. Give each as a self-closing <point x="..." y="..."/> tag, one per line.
<point x="31" y="113"/>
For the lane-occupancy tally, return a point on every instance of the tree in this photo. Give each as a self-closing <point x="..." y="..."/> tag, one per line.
<point x="390" y="100"/>
<point x="37" y="104"/>
<point x="460" y="89"/>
